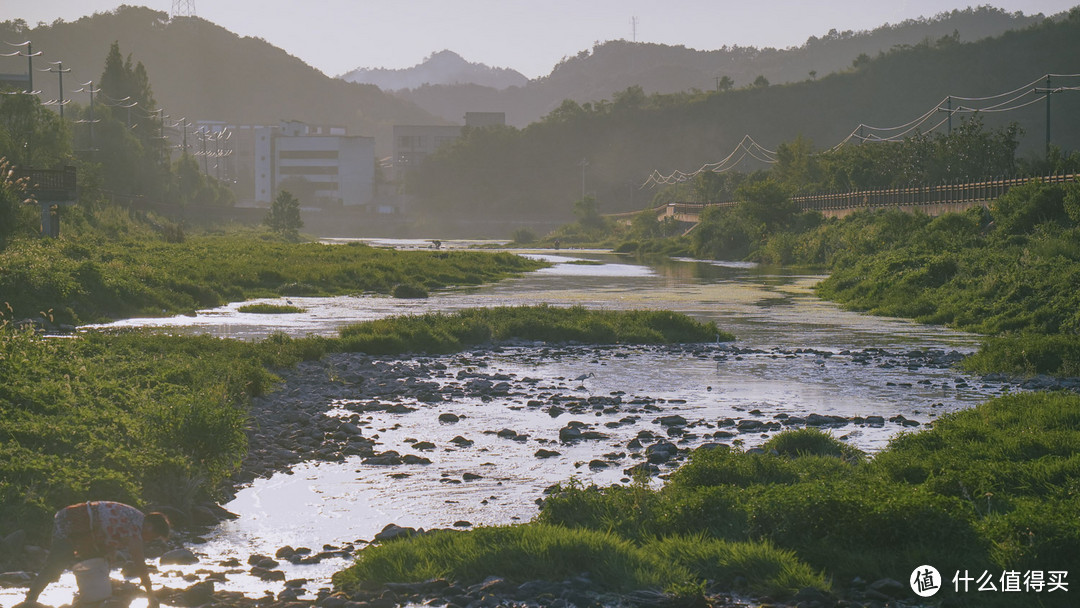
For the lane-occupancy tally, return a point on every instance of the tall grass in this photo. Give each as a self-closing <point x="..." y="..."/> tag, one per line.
<point x="995" y="487"/>
<point x="538" y="551"/>
<point x="90" y="278"/>
<point x="448" y="332"/>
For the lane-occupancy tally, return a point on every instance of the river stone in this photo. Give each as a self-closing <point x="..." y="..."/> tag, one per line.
<point x="394" y="531"/>
<point x="671" y="421"/>
<point x="197" y="594"/>
<point x="542" y="453"/>
<point x="180" y="557"/>
<point x="749" y="425"/>
<point x="461" y="441"/>
<point x="449" y="418"/>
<point x="569" y="433"/>
<point x="890" y="587"/>
<point x="267" y="574"/>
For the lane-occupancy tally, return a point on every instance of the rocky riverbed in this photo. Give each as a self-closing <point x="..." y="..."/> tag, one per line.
<point x="475" y="438"/>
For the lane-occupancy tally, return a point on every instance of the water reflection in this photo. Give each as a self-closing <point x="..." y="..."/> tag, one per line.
<point x="772" y="311"/>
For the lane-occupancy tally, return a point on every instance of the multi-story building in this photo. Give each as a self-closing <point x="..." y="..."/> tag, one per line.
<point x="333" y="168"/>
<point x="413" y="143"/>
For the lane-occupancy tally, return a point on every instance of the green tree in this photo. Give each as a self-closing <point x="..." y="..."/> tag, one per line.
<point x="32" y="135"/>
<point x="587" y="213"/>
<point x="797" y="166"/>
<point x="767" y="203"/>
<point x="284" y="215"/>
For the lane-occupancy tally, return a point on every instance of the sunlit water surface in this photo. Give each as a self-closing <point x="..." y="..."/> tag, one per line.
<point x="771" y="311"/>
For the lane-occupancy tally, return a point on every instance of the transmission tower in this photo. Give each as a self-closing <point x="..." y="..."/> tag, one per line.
<point x="183" y="8"/>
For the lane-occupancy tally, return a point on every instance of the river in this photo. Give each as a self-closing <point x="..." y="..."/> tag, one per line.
<point x="794" y="355"/>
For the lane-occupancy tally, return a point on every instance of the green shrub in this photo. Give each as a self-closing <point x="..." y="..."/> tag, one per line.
<point x="810" y="441"/>
<point x="270" y="309"/>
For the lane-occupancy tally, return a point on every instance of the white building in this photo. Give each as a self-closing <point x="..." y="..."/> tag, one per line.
<point x="338" y="169"/>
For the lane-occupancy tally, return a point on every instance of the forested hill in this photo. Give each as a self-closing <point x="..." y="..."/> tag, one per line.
<point x="203" y="71"/>
<point x="657" y="68"/>
<point x="536" y="172"/>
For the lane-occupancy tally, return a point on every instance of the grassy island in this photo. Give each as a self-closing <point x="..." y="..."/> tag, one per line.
<point x="92" y="278"/>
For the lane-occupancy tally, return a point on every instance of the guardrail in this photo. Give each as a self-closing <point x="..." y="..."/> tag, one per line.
<point x="915" y="196"/>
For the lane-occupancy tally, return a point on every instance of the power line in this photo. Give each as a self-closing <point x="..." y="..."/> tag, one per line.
<point x="867" y="133"/>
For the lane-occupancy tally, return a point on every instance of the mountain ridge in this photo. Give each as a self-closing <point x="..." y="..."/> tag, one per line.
<point x="612" y="66"/>
<point x="441" y="68"/>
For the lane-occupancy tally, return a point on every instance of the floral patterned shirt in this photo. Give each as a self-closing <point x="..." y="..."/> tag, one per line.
<point x="102" y="525"/>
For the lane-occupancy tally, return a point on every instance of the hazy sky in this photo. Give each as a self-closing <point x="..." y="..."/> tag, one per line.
<point x="531" y="36"/>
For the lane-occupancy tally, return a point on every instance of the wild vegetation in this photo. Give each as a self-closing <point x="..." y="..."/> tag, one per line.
<point x="1006" y="271"/>
<point x="535" y="172"/>
<point x="114" y="267"/>
<point x="149" y="418"/>
<point x="987" y="489"/>
<point x="539" y="551"/>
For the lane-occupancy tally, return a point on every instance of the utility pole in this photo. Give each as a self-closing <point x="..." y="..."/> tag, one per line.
<point x="29" y="54"/>
<point x="59" y="70"/>
<point x="633" y="27"/>
<point x="948" y="111"/>
<point x="584" y="163"/>
<point x="1048" y="91"/>
<point x="88" y="87"/>
<point x="205" y="133"/>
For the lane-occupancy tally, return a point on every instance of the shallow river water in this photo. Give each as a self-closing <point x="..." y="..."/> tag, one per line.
<point x="794" y="355"/>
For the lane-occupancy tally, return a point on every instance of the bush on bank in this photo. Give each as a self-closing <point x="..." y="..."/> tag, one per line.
<point x="539" y="551"/>
<point x="145" y="418"/>
<point x="1009" y="271"/>
<point x="992" y="488"/>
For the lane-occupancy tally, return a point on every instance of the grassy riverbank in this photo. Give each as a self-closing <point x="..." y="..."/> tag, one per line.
<point x="1009" y="271"/>
<point x="146" y="418"/>
<point x="92" y="277"/>
<point x="989" y="489"/>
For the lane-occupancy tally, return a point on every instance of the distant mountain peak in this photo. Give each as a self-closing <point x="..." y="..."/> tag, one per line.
<point x="441" y="67"/>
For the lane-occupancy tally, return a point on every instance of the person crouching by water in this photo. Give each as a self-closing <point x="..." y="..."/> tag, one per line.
<point x="99" y="529"/>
